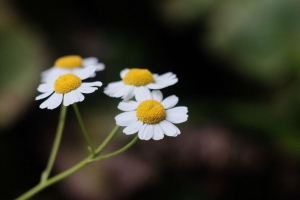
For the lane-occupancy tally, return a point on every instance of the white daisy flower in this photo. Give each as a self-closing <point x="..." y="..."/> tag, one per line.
<point x="67" y="88"/>
<point x="151" y="116"/>
<point x="70" y="64"/>
<point x="138" y="81"/>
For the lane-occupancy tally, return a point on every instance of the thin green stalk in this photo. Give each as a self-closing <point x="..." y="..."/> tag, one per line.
<point x="127" y="146"/>
<point x="38" y="188"/>
<point x="86" y="136"/>
<point x="59" y="131"/>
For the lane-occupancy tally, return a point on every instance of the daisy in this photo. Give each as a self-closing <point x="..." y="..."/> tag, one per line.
<point x="69" y="64"/>
<point x="138" y="81"/>
<point x="151" y="116"/>
<point x="67" y="88"/>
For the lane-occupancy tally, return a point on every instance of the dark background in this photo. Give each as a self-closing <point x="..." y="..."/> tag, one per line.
<point x="239" y="75"/>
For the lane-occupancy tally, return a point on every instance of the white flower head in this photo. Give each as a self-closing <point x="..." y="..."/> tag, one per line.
<point x="67" y="88"/>
<point x="70" y="64"/>
<point x="151" y="116"/>
<point x="138" y="81"/>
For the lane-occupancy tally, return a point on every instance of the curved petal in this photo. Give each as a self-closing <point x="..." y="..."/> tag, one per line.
<point x="157" y="95"/>
<point x="52" y="102"/>
<point x="96" y="83"/>
<point x="126" y="118"/>
<point x="170" y="101"/>
<point x="99" y="67"/>
<point x="177" y="115"/>
<point x="79" y="95"/>
<point x="124" y="72"/>
<point x="168" y="128"/>
<point x="85" y="73"/>
<point x="41" y="96"/>
<point x="45" y="87"/>
<point x="158" y="133"/>
<point x="89" y="61"/>
<point x="146" y="132"/>
<point x="142" y="93"/>
<point x="67" y="99"/>
<point x="128" y="105"/>
<point x="133" y="128"/>
<point x="87" y="90"/>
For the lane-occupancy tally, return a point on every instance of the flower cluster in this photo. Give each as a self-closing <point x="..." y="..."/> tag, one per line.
<point x="145" y="110"/>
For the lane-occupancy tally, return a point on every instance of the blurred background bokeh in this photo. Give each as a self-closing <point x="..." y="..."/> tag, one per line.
<point x="238" y="64"/>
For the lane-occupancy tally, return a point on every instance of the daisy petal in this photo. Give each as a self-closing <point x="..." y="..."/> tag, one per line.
<point x="45" y="87"/>
<point x="124" y="72"/>
<point x="41" y="96"/>
<point x="52" y="102"/>
<point x="168" y="128"/>
<point x="96" y="83"/>
<point x="89" y="61"/>
<point x="158" y="133"/>
<point x="142" y="93"/>
<point x="67" y="100"/>
<point x="133" y="128"/>
<point x="170" y="101"/>
<point x="157" y="95"/>
<point x="99" y="67"/>
<point x="79" y="95"/>
<point x="146" y="132"/>
<point x="85" y="73"/>
<point x="128" y="105"/>
<point x="126" y="118"/>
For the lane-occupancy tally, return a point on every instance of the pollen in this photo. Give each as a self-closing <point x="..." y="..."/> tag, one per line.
<point x="151" y="112"/>
<point x="138" y="77"/>
<point x="68" y="62"/>
<point x="66" y="83"/>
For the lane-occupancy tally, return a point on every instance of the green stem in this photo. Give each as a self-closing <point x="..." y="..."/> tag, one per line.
<point x="30" y="193"/>
<point x="56" y="144"/>
<point x="86" y="136"/>
<point x="127" y="146"/>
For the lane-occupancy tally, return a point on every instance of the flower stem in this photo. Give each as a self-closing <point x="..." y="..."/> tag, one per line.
<point x="86" y="136"/>
<point x="56" y="144"/>
<point x="127" y="146"/>
<point x="41" y="186"/>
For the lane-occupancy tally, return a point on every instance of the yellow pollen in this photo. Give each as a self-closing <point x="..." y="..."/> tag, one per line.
<point x="138" y="77"/>
<point x="151" y="112"/>
<point x="66" y="83"/>
<point x="68" y="62"/>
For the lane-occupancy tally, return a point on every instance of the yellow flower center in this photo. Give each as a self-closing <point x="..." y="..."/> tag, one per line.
<point x="151" y="112"/>
<point x="66" y="83"/>
<point x="68" y="62"/>
<point x="138" y="77"/>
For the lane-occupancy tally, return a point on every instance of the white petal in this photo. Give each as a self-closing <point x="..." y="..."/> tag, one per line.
<point x="168" y="128"/>
<point x="177" y="115"/>
<point x="124" y="72"/>
<point x="170" y="101"/>
<point x="41" y="96"/>
<point x="79" y="95"/>
<point x="123" y="91"/>
<point x="146" y="132"/>
<point x="129" y="95"/>
<point x="67" y="99"/>
<point x="142" y="93"/>
<point x="85" y="73"/>
<point x="96" y="83"/>
<point x="45" y="87"/>
<point x="99" y="67"/>
<point x="157" y="95"/>
<point x="52" y="102"/>
<point x="113" y="87"/>
<point x="158" y="133"/>
<point x="133" y="128"/>
<point x="87" y="90"/>
<point x="89" y="61"/>
<point x="126" y="118"/>
<point x="73" y="96"/>
<point x="128" y="105"/>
